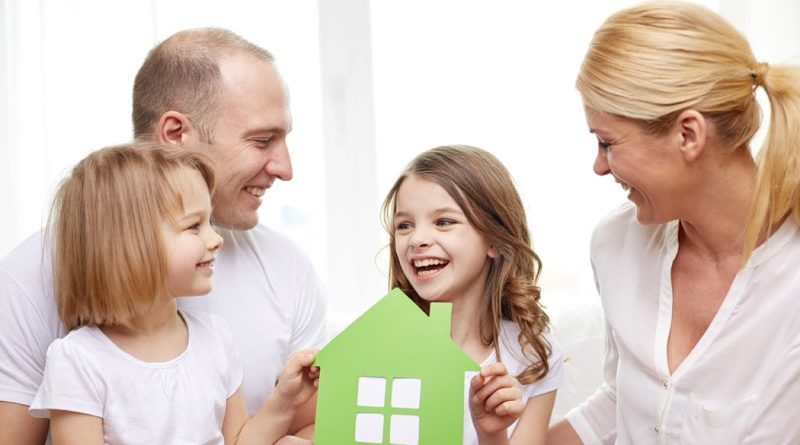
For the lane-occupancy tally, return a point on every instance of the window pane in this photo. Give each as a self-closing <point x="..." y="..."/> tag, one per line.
<point x="405" y="393"/>
<point x="371" y="391"/>
<point x="369" y="428"/>
<point x="404" y="430"/>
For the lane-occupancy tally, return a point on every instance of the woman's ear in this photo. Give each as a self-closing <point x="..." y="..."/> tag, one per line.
<point x="173" y="127"/>
<point x="693" y="129"/>
<point x="492" y="252"/>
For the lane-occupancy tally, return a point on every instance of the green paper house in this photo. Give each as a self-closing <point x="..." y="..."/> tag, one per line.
<point x="393" y="376"/>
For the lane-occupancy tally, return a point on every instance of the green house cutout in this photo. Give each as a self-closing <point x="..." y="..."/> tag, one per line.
<point x="393" y="376"/>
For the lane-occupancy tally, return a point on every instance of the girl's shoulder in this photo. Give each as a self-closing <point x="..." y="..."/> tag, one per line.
<point x="205" y="326"/>
<point x="517" y="357"/>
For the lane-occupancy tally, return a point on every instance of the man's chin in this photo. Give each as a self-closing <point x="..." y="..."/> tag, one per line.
<point x="235" y="222"/>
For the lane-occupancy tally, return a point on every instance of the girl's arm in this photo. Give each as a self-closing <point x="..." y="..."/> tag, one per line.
<point x="495" y="402"/>
<point x="532" y="426"/>
<point x="296" y="385"/>
<point x="68" y="428"/>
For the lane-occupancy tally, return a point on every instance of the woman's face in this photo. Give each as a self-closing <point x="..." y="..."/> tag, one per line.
<point x="650" y="168"/>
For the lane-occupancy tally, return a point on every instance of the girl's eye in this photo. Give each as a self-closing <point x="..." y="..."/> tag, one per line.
<point x="445" y="222"/>
<point x="403" y="226"/>
<point x="194" y="228"/>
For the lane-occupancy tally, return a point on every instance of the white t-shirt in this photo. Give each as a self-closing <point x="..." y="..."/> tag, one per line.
<point x="515" y="362"/>
<point x="741" y="382"/>
<point x="176" y="402"/>
<point x="264" y="287"/>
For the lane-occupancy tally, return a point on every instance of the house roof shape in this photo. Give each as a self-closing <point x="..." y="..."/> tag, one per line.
<point x="393" y="330"/>
<point x="392" y="340"/>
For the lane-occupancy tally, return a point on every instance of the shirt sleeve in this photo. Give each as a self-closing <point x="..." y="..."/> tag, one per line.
<point x="24" y="337"/>
<point x="235" y="372"/>
<point x="68" y="383"/>
<point x="555" y="375"/>
<point x="771" y="420"/>
<point x="595" y="420"/>
<point x="309" y="322"/>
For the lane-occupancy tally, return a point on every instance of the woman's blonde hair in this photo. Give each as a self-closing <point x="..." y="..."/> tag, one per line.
<point x="109" y="261"/>
<point x="482" y="187"/>
<point x="653" y="61"/>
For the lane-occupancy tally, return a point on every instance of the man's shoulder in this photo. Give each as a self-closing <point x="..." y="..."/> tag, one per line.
<point x="25" y="256"/>
<point x="266" y="243"/>
<point x="28" y="267"/>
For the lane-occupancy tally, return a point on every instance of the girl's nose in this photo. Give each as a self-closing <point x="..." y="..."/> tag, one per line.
<point x="214" y="242"/>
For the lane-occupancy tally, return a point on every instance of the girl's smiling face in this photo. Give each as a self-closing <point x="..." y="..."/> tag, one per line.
<point x="443" y="256"/>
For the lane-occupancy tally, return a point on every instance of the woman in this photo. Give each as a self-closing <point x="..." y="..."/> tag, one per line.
<point x="699" y="273"/>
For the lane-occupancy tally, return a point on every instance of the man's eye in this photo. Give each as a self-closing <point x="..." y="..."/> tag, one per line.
<point x="262" y="143"/>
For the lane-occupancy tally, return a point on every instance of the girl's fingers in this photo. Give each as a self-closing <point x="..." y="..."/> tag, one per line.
<point x="501" y="396"/>
<point x="493" y="385"/>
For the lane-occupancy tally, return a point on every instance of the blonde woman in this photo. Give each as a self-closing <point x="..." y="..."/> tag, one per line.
<point x="699" y="273"/>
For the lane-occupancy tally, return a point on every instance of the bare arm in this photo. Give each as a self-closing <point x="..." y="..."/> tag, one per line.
<point x="71" y="428"/>
<point x="19" y="427"/>
<point x="562" y="433"/>
<point x="303" y="424"/>
<point x="532" y="426"/>
<point x="296" y="386"/>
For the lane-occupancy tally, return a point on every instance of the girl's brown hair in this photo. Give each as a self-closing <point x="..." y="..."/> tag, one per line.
<point x="480" y="184"/>
<point x="653" y="61"/>
<point x="109" y="263"/>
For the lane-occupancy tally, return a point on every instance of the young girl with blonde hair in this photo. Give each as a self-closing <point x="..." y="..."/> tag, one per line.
<point x="458" y="234"/>
<point x="132" y="232"/>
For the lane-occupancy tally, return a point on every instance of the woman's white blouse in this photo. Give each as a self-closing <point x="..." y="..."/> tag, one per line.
<point x="740" y="383"/>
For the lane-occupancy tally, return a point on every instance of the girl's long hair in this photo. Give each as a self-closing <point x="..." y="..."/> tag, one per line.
<point x="480" y="184"/>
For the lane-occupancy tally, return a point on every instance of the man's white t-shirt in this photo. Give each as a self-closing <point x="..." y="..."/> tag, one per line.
<point x="264" y="287"/>
<point x="180" y="401"/>
<point x="515" y="362"/>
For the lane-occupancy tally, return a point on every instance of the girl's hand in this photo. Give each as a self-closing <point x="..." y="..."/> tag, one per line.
<point x="298" y="381"/>
<point x="495" y="401"/>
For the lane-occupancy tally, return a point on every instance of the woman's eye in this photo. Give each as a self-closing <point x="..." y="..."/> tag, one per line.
<point x="604" y="144"/>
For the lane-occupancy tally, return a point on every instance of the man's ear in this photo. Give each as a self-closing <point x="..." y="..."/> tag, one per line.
<point x="693" y="129"/>
<point x="172" y="128"/>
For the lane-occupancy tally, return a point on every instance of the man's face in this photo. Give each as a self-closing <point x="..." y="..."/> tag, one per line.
<point x="249" y="140"/>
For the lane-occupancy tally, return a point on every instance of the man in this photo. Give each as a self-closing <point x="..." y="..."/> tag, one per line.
<point x="209" y="90"/>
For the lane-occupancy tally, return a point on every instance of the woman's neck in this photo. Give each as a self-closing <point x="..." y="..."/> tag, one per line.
<point x="157" y="335"/>
<point x="715" y="226"/>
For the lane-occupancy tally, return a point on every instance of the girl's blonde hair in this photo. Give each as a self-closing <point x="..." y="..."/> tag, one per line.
<point x="653" y="61"/>
<point x="480" y="184"/>
<point x="109" y="261"/>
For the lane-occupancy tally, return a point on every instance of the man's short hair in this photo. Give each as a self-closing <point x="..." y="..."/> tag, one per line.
<point x="182" y="74"/>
